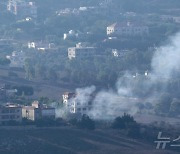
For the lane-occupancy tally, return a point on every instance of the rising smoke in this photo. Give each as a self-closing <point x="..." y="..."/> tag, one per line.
<point x="112" y="103"/>
<point x="166" y="60"/>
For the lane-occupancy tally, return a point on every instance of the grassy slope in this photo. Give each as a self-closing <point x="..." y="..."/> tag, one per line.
<point x="70" y="141"/>
<point x="41" y="88"/>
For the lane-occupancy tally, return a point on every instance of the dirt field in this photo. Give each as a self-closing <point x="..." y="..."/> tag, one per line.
<point x="71" y="141"/>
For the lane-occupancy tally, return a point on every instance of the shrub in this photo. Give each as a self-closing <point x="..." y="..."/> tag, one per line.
<point x="86" y="123"/>
<point x="123" y="122"/>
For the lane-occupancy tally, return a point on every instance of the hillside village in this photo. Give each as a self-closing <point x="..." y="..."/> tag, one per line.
<point x="47" y="53"/>
<point x="89" y="76"/>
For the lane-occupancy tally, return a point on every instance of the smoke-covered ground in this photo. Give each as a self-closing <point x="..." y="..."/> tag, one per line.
<point x="136" y="94"/>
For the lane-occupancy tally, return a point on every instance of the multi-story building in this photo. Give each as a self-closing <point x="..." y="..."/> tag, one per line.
<point x="6" y="93"/>
<point x="74" y="106"/>
<point x="10" y="112"/>
<point x="22" y="8"/>
<point x="30" y="113"/>
<point x="80" y="51"/>
<point x="15" y="112"/>
<point x="127" y="29"/>
<point x="38" y="111"/>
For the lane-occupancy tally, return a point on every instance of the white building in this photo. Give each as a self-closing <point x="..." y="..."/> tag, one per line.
<point x="127" y="29"/>
<point x="10" y="112"/>
<point x="70" y="34"/>
<point x="38" y="111"/>
<point x="41" y="46"/>
<point x="80" y="51"/>
<point x="115" y="53"/>
<point x="119" y="53"/>
<point x="22" y="8"/>
<point x="17" y="59"/>
<point x="74" y="106"/>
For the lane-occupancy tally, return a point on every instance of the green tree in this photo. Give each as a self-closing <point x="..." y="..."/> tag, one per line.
<point x="52" y="75"/>
<point x="86" y="123"/>
<point x="40" y="71"/>
<point x="29" y="69"/>
<point x="123" y="122"/>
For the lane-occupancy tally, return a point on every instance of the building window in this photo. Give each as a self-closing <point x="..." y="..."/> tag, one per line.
<point x="89" y="103"/>
<point x="5" y="111"/>
<point x="5" y="117"/>
<point x="12" y="111"/>
<point x="12" y="117"/>
<point x="79" y="109"/>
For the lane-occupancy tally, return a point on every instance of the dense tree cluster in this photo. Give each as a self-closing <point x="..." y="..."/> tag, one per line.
<point x="99" y="70"/>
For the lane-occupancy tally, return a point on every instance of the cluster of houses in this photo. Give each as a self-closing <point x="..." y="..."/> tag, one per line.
<point x="72" y="105"/>
<point x="81" y="49"/>
<point x="28" y="10"/>
<point x="170" y="18"/>
<point x="127" y="29"/>
<point x="115" y="30"/>
<point x="17" y="58"/>
<point x="16" y="112"/>
<point x="22" y="8"/>
<point x="74" y="11"/>
<point x="42" y="46"/>
<point x="37" y="111"/>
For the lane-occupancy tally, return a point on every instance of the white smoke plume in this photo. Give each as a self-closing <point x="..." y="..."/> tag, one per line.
<point x="166" y="60"/>
<point x="112" y="103"/>
<point x="83" y="95"/>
